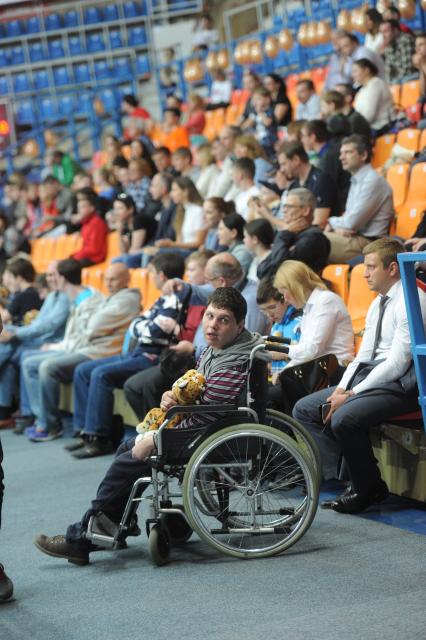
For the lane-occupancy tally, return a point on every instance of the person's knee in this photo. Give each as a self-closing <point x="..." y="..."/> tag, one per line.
<point x="302" y="410"/>
<point x="129" y="388"/>
<point x="83" y="372"/>
<point x="47" y="369"/>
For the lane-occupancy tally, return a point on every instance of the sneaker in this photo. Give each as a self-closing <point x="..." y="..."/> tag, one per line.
<point x="58" y="547"/>
<point x="94" y="449"/>
<point x="22" y="423"/>
<point x="76" y="444"/>
<point x="30" y="431"/>
<point x="6" y="586"/>
<point x="45" y="436"/>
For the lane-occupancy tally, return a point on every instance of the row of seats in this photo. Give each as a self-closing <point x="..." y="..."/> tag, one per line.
<point x="412" y="139"/>
<point x="73" y="45"/>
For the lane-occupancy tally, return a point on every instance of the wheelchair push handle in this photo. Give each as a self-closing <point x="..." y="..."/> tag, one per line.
<point x="278" y="339"/>
<point x="276" y="348"/>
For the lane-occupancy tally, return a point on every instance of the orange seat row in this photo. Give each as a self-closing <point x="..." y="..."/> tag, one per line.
<point x="409" y="192"/>
<point x="139" y="279"/>
<point x="412" y="139"/>
<point x="44" y="250"/>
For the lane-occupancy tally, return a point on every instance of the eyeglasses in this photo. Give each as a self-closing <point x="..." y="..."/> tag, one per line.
<point x="291" y="206"/>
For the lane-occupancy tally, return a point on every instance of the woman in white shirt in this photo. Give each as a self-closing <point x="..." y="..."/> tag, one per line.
<point x="206" y="161"/>
<point x="374" y="99"/>
<point x="373" y="37"/>
<point x="325" y="327"/>
<point x="189" y="219"/>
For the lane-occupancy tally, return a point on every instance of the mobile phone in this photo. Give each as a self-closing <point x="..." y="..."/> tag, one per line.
<point x="325" y="410"/>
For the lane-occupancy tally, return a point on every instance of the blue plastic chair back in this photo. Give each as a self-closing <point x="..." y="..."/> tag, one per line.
<point x="41" y="79"/>
<point x="85" y="104"/>
<point x="21" y="83"/>
<point x="71" y="19"/>
<point x="81" y="72"/>
<point x="25" y="113"/>
<point x="4" y="86"/>
<point x="75" y="46"/>
<point x="137" y="36"/>
<point x="115" y="41"/>
<point x="122" y="67"/>
<point x="14" y="28"/>
<point x="95" y="43"/>
<point x="67" y="105"/>
<point x="48" y="109"/>
<point x="52" y="22"/>
<point x="33" y="25"/>
<point x="143" y="65"/>
<point x="61" y="76"/>
<point x="110" y="13"/>
<point x="109" y="100"/>
<point x="131" y="9"/>
<point x="37" y="52"/>
<point x="56" y="49"/>
<point x="4" y="57"/>
<point x="102" y="70"/>
<point x="17" y="55"/>
<point x="92" y="15"/>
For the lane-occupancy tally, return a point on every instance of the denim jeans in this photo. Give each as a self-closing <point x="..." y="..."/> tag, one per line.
<point x="30" y="374"/>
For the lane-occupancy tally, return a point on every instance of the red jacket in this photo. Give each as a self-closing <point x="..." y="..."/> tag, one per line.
<point x="94" y="232"/>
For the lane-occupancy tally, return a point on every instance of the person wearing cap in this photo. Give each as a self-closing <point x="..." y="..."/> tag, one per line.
<point x="171" y="133"/>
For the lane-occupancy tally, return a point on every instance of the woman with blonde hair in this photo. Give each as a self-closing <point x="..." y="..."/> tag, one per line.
<point x="246" y="146"/>
<point x="206" y="161"/>
<point x="325" y="327"/>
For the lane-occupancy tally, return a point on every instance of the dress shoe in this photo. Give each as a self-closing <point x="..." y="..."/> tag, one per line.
<point x="357" y="502"/>
<point x="75" y="444"/>
<point x="6" y="586"/>
<point x="328" y="504"/>
<point x="94" y="449"/>
<point x="58" y="547"/>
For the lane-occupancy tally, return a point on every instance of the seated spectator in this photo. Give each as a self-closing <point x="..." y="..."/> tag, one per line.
<point x="10" y="240"/>
<point x="398" y="49"/>
<point x="48" y="326"/>
<point x="134" y="112"/>
<point x="419" y="61"/>
<point x="247" y="146"/>
<point x="139" y="150"/>
<point x="220" y="91"/>
<point x="55" y="204"/>
<point x="373" y="37"/>
<point x="294" y="131"/>
<point x="168" y="71"/>
<point x="139" y="173"/>
<point x="336" y="64"/>
<point x="283" y="111"/>
<point x="332" y="104"/>
<point x="208" y="170"/>
<point x="18" y="278"/>
<point x="196" y="120"/>
<point x="325" y="327"/>
<point x="309" y="105"/>
<point x="262" y="120"/>
<point x="87" y="337"/>
<point x="369" y="207"/>
<point x="378" y="384"/>
<point x="231" y="235"/>
<point x="418" y="241"/>
<point x="134" y="229"/>
<point x="251" y="81"/>
<point x="294" y="163"/>
<point x="111" y="147"/>
<point x="104" y="184"/>
<point x="94" y="381"/>
<point x="215" y="209"/>
<point x="374" y="100"/>
<point x="171" y="133"/>
<point x="299" y="238"/>
<point x="182" y="163"/>
<point x="61" y="165"/>
<point x="393" y="13"/>
<point x="224" y="152"/>
<point x="243" y="172"/>
<point x="94" y="232"/>
<point x="195" y="266"/>
<point x="353" y="51"/>
<point x="258" y="238"/>
<point x="162" y="159"/>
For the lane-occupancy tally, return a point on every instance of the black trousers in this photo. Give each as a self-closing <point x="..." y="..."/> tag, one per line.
<point x="144" y="390"/>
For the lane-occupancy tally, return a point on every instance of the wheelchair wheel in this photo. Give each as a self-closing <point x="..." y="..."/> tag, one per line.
<point x="158" y="545"/>
<point x="259" y="492"/>
<point x="177" y="527"/>
<point x="299" y="433"/>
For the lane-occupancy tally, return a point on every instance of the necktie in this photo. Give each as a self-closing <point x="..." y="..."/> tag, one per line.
<point x="383" y="301"/>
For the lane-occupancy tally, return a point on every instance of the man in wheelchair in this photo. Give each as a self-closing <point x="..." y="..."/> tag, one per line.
<point x="224" y="364"/>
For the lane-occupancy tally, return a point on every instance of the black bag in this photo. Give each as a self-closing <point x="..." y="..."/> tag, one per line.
<point x="173" y="365"/>
<point x="314" y="375"/>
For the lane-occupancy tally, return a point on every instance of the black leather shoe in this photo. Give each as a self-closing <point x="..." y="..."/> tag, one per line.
<point x="75" y="444"/>
<point x="328" y="504"/>
<point x="6" y="586"/>
<point x="94" y="449"/>
<point x="357" y="502"/>
<point x="58" y="547"/>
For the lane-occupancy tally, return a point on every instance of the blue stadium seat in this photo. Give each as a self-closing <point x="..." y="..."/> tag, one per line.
<point x="115" y="41"/>
<point x="4" y="57"/>
<point x="137" y="36"/>
<point x="17" y="55"/>
<point x="52" y="22"/>
<point x="82" y="72"/>
<point x="143" y="65"/>
<point x="61" y="76"/>
<point x="102" y="70"/>
<point x="71" y="19"/>
<point x="56" y="49"/>
<point x="110" y="13"/>
<point x="48" y="109"/>
<point x="92" y="15"/>
<point x="85" y="104"/>
<point x="95" y="42"/>
<point x="122" y="67"/>
<point x="33" y="25"/>
<point x="67" y="105"/>
<point x="14" y="28"/>
<point x="4" y="86"/>
<point x="132" y="9"/>
<point x="37" y="52"/>
<point x="21" y="83"/>
<point x="109" y="100"/>
<point x="75" y="46"/>
<point x="41" y="79"/>
<point x="25" y="113"/>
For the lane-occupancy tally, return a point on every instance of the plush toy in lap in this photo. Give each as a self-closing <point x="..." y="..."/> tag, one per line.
<point x="186" y="390"/>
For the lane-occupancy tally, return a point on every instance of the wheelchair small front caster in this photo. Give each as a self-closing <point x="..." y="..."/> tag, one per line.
<point x="158" y="545"/>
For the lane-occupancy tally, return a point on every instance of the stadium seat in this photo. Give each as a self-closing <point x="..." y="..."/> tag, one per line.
<point x="239" y="96"/>
<point x="410" y="93"/>
<point x="4" y="57"/>
<point x="115" y="40"/>
<point x="110" y="13"/>
<point x="398" y="176"/>
<point x="139" y="280"/>
<point x="338" y="276"/>
<point x="42" y="252"/>
<point x="37" y="52"/>
<point x="56" y="49"/>
<point x="17" y="55"/>
<point x="209" y="130"/>
<point x="41" y="79"/>
<point x="143" y="65"/>
<point x="132" y="9"/>
<point x="409" y="139"/>
<point x="93" y="277"/>
<point x="411" y="212"/>
<point x="75" y="46"/>
<point x="113" y="246"/>
<point x="137" y="36"/>
<point x="233" y="113"/>
<point x="21" y="83"/>
<point x="33" y="25"/>
<point x="382" y="149"/>
<point x="52" y="22"/>
<point x="95" y="42"/>
<point x="48" y="109"/>
<point x="359" y="298"/>
<point x="152" y="293"/>
<point x="109" y="100"/>
<point x="71" y="19"/>
<point x="102" y="70"/>
<point x="4" y="86"/>
<point x="14" y="28"/>
<point x="123" y="67"/>
<point x="61" y="76"/>
<point x="318" y="78"/>
<point x="25" y="113"/>
<point x="82" y="72"/>
<point x="422" y="142"/>
<point x="66" y="105"/>
<point x="84" y="104"/>
<point x="395" y="90"/>
<point x="92" y="15"/>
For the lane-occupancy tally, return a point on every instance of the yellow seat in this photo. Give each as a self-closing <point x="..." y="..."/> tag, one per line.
<point x="359" y="298"/>
<point x="382" y="149"/>
<point x="410" y="93"/>
<point x="409" y="139"/>
<point x="338" y="276"/>
<point x="411" y="212"/>
<point x="398" y="177"/>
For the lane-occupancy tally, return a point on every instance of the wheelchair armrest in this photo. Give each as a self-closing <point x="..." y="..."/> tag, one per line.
<point x="200" y="408"/>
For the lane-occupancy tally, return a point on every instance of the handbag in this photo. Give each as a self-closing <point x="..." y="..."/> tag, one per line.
<point x="313" y="375"/>
<point x="173" y="365"/>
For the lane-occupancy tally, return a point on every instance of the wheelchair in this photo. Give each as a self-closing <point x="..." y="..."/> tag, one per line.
<point x="248" y="486"/>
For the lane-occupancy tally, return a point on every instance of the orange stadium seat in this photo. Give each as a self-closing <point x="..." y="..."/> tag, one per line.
<point x="398" y="177"/>
<point x="409" y="139"/>
<point x="94" y="277"/>
<point x="209" y="130"/>
<point x="318" y="78"/>
<point x="239" y="96"/>
<point x="139" y="280"/>
<point x="410" y="93"/>
<point x="233" y="113"/>
<point x="113" y="246"/>
<point x="152" y="293"/>
<point x="291" y="81"/>
<point x="382" y="149"/>
<point x="422" y="141"/>
<point x="42" y="252"/>
<point x="395" y="90"/>
<point x="410" y="213"/>
<point x="359" y="298"/>
<point x="338" y="276"/>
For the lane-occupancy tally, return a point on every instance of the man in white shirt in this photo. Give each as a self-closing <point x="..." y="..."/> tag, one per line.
<point x="353" y="50"/>
<point x="243" y="171"/>
<point x="369" y="206"/>
<point x="309" y="104"/>
<point x="379" y="384"/>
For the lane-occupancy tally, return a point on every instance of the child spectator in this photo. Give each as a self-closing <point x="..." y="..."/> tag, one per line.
<point x="94" y="231"/>
<point x="139" y="173"/>
<point x="182" y="163"/>
<point x="243" y="172"/>
<point x="196" y="120"/>
<point x="195" y="265"/>
<point x="18" y="278"/>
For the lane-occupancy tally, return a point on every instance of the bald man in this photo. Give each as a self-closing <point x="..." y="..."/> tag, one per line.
<point x="101" y="336"/>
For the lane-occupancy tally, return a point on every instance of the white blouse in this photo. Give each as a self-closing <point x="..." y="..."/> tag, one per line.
<point x="374" y="102"/>
<point x="325" y="327"/>
<point x="193" y="222"/>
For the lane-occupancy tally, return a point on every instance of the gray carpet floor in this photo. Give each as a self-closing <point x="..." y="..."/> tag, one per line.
<point x="347" y="579"/>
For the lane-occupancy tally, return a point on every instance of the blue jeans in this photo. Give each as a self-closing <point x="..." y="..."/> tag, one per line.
<point x="131" y="260"/>
<point x="30" y="373"/>
<point x="10" y="359"/>
<point x="94" y="384"/>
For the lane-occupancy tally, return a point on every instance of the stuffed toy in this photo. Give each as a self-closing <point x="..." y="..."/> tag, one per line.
<point x="186" y="390"/>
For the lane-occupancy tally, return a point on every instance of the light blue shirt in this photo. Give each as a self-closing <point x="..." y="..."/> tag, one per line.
<point x="310" y="110"/>
<point x="49" y="325"/>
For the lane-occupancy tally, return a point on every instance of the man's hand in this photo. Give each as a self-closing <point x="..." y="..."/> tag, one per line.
<point x="167" y="401"/>
<point x="337" y="398"/>
<point x="183" y="347"/>
<point x="164" y="242"/>
<point x="171" y="286"/>
<point x="6" y="336"/>
<point x="143" y="448"/>
<point x="297" y="225"/>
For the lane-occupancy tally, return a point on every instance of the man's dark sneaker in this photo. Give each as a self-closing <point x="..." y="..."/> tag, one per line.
<point x="58" y="547"/>
<point x="6" y="586"/>
<point x="93" y="449"/>
<point x="78" y="443"/>
<point x="22" y="422"/>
